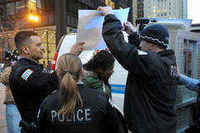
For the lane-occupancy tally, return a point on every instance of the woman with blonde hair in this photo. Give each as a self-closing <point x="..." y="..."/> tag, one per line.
<point x="75" y="108"/>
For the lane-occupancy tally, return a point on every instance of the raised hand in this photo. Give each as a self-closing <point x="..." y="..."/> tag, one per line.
<point x="105" y="10"/>
<point x="128" y="28"/>
<point x="77" y="48"/>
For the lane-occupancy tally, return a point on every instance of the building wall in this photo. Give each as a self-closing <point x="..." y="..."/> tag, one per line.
<point x="189" y="41"/>
<point x="165" y="8"/>
<point x="140" y="8"/>
<point x="185" y="8"/>
<point x="134" y="10"/>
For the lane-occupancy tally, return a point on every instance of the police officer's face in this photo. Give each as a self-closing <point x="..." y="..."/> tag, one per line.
<point x="36" y="48"/>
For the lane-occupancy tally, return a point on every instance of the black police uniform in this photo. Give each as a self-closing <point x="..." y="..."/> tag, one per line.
<point x="150" y="94"/>
<point x="96" y="115"/>
<point x="30" y="85"/>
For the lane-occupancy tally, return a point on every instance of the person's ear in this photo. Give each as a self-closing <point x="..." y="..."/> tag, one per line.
<point x="26" y="50"/>
<point x="58" y="73"/>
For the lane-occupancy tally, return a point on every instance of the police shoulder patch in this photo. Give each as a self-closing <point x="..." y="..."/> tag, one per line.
<point x="26" y="74"/>
<point x="140" y="52"/>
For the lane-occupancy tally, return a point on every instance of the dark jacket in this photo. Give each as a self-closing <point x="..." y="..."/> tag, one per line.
<point x="134" y="39"/>
<point x="29" y="86"/>
<point x="95" y="116"/>
<point x="150" y="94"/>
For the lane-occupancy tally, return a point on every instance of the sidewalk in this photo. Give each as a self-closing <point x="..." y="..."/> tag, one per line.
<point x="3" y="128"/>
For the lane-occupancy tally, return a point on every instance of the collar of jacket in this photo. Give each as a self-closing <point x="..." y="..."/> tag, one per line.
<point x="80" y="84"/>
<point x="28" y="60"/>
<point x="199" y="84"/>
<point x="166" y="52"/>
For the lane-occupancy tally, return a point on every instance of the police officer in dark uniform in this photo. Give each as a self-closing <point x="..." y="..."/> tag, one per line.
<point x="29" y="83"/>
<point x="150" y="94"/>
<point x="74" y="108"/>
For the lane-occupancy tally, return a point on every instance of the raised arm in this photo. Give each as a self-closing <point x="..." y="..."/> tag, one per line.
<point x="131" y="58"/>
<point x="190" y="83"/>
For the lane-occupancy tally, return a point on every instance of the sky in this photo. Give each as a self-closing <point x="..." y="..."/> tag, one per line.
<point x="194" y="10"/>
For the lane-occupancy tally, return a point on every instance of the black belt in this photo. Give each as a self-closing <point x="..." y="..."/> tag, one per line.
<point x="29" y="127"/>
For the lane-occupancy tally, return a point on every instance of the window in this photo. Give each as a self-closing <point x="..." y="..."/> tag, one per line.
<point x="51" y="19"/>
<point x="20" y="6"/>
<point x="188" y="62"/>
<point x="38" y="3"/>
<point x="32" y="4"/>
<point x="190" y="57"/>
<point x="10" y="8"/>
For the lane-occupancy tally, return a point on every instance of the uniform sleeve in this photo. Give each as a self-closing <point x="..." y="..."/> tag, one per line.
<point x="36" y="81"/>
<point x="128" y="55"/>
<point x="190" y="83"/>
<point x="115" y="121"/>
<point x="41" y="118"/>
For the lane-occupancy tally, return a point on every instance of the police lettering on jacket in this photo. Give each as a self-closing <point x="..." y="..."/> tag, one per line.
<point x="80" y="115"/>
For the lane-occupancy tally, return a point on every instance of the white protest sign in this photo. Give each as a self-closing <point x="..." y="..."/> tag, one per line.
<point x="66" y="45"/>
<point x="90" y="25"/>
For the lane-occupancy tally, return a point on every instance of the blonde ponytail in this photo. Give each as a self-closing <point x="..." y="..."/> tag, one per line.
<point x="69" y="91"/>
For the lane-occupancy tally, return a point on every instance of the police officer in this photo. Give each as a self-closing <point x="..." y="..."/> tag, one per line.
<point x="150" y="94"/>
<point x="74" y="108"/>
<point x="29" y="83"/>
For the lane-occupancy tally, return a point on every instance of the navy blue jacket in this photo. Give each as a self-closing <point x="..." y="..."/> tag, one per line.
<point x="150" y="94"/>
<point x="95" y="116"/>
<point x="30" y="85"/>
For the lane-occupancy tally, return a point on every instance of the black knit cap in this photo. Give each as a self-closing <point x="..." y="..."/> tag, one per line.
<point x="156" y="34"/>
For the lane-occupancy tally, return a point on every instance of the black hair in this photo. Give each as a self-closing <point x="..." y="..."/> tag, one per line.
<point x="22" y="36"/>
<point x="102" y="60"/>
<point x="199" y="85"/>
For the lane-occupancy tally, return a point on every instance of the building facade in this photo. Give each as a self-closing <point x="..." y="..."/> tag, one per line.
<point x="137" y="9"/>
<point x="165" y="8"/>
<point x="56" y="18"/>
